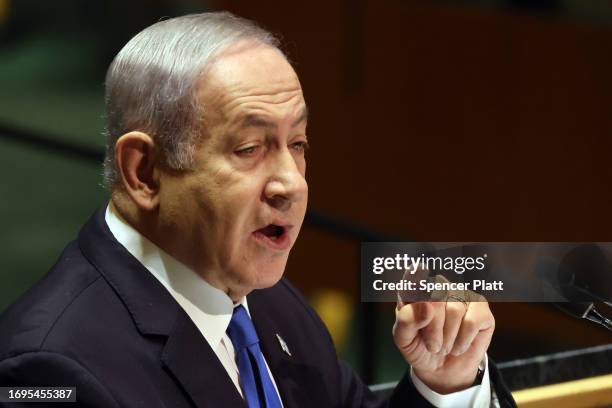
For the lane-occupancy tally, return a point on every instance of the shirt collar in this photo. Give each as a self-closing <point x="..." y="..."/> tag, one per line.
<point x="208" y="307"/>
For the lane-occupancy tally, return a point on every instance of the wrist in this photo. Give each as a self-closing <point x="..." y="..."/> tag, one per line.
<point x="447" y="383"/>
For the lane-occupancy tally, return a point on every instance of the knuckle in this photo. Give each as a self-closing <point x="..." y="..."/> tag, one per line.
<point x="469" y="324"/>
<point x="455" y="309"/>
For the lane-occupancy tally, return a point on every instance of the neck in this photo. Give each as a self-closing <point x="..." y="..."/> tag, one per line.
<point x="147" y="224"/>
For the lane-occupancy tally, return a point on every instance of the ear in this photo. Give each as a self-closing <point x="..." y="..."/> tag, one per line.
<point x="135" y="155"/>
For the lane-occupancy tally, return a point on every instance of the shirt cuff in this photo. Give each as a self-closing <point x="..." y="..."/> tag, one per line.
<point x="476" y="396"/>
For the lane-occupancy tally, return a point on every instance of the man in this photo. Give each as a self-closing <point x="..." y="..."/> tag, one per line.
<point x="173" y="295"/>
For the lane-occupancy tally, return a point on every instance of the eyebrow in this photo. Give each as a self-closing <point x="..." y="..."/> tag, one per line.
<point x="254" y="120"/>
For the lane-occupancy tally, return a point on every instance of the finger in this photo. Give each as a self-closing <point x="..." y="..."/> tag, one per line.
<point x="478" y="318"/>
<point x="481" y="343"/>
<point x="409" y="319"/>
<point x="476" y="351"/>
<point x="475" y="354"/>
<point x="433" y="333"/>
<point x="452" y="322"/>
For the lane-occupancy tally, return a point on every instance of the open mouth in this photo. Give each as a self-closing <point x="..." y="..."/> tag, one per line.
<point x="273" y="235"/>
<point x="273" y="231"/>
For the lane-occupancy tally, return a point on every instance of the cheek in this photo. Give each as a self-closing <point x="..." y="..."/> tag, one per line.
<point x="242" y="199"/>
<point x="238" y="212"/>
<point x="177" y="206"/>
<point x="195" y="210"/>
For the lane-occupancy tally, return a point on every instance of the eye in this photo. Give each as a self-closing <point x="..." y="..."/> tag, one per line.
<point x="300" y="146"/>
<point x="247" y="151"/>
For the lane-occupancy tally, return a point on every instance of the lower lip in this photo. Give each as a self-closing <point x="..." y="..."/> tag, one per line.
<point x="281" y="243"/>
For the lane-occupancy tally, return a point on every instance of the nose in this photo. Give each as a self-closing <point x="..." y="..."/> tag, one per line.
<point x="287" y="184"/>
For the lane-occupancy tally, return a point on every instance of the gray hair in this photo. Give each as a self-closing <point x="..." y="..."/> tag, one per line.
<point x="152" y="82"/>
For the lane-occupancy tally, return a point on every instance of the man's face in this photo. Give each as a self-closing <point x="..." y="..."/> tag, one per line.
<point x="236" y="216"/>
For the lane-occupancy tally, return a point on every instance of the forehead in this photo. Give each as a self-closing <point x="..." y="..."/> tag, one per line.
<point x="250" y="75"/>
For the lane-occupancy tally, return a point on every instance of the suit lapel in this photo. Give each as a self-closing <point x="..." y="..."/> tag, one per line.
<point x="286" y="369"/>
<point x="186" y="355"/>
<point x="193" y="363"/>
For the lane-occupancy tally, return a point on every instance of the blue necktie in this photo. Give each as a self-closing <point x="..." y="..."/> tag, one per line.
<point x="257" y="386"/>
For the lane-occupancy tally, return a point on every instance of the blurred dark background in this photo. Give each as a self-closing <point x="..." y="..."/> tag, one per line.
<point x="482" y="120"/>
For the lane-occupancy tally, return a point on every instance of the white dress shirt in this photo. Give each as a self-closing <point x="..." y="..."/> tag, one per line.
<point x="211" y="310"/>
<point x="477" y="397"/>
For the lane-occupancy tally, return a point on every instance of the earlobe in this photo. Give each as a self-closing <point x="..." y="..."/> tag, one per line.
<point x="136" y="159"/>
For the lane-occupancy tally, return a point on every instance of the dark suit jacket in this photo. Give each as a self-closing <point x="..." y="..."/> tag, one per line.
<point x="101" y="322"/>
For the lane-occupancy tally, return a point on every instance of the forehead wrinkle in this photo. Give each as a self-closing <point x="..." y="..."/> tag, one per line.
<point x="223" y="96"/>
<point x="229" y="116"/>
<point x="253" y="105"/>
<point x="250" y="119"/>
<point x="243" y="94"/>
<point x="255" y="120"/>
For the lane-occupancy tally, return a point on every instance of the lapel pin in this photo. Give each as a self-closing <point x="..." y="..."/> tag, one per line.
<point x="283" y="344"/>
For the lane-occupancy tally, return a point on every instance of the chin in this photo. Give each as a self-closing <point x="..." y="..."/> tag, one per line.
<point x="269" y="279"/>
<point x="246" y="286"/>
<point x="259" y="275"/>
